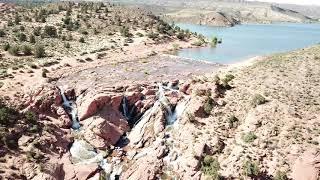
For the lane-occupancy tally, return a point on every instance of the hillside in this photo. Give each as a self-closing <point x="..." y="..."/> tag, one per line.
<point x="224" y="13"/>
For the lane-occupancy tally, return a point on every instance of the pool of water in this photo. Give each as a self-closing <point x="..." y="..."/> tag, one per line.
<point x="245" y="41"/>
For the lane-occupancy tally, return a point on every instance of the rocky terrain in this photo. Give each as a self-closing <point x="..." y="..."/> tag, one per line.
<point x="226" y="12"/>
<point x="116" y="106"/>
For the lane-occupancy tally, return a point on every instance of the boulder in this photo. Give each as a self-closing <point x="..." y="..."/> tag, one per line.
<point x="107" y="125"/>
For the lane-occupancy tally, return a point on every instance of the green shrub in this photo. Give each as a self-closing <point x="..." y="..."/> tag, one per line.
<point x="82" y="40"/>
<point x="191" y="118"/>
<point x="26" y="50"/>
<point x="208" y="105"/>
<point x="10" y="23"/>
<point x="22" y="37"/>
<point x="67" y="45"/>
<point x="50" y="31"/>
<point x="153" y="35"/>
<point x="181" y="36"/>
<point x="4" y="116"/>
<point x="17" y="19"/>
<point x="39" y="51"/>
<point x="14" y="50"/>
<point x="32" y="39"/>
<point x="214" y="41"/>
<point x="281" y="176"/>
<point x="2" y="33"/>
<point x="44" y="73"/>
<point x="6" y="46"/>
<point x="139" y="34"/>
<point x="30" y="117"/>
<point x="210" y="167"/>
<point x="250" y="169"/>
<point x="249" y="137"/>
<point x="258" y="100"/>
<point x="227" y="78"/>
<point x="22" y="28"/>
<point x="233" y="121"/>
<point x="124" y="31"/>
<point x="37" y="31"/>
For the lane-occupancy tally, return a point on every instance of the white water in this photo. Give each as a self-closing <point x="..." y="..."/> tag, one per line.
<point x="71" y="109"/>
<point x="81" y="151"/>
<point x="125" y="108"/>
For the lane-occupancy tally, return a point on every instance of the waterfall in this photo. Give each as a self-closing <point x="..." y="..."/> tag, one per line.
<point x="81" y="151"/>
<point x="71" y="108"/>
<point x="125" y="108"/>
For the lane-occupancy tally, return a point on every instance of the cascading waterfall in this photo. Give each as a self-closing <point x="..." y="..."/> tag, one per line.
<point x="81" y="151"/>
<point x="125" y="108"/>
<point x="71" y="108"/>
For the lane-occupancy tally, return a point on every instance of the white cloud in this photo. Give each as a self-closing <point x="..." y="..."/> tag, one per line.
<point x="302" y="2"/>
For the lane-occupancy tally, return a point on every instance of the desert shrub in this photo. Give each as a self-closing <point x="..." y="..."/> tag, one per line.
<point x="139" y="34"/>
<point x="281" y="176"/>
<point x="214" y="41"/>
<point x="26" y="50"/>
<point x="153" y="35"/>
<point x="210" y="167"/>
<point x="50" y="31"/>
<point x="124" y="31"/>
<point x="22" y="28"/>
<point x="249" y="137"/>
<point x="17" y="19"/>
<point x="250" y="169"/>
<point x="33" y="66"/>
<point x="22" y="37"/>
<point x="67" y="45"/>
<point x="258" y="99"/>
<point x="6" y="46"/>
<point x="227" y="78"/>
<point x="190" y="117"/>
<point x="82" y="40"/>
<point x="233" y="121"/>
<point x="2" y="33"/>
<point x="208" y="105"/>
<point x="10" y="23"/>
<point x="30" y="117"/>
<point x="14" y="50"/>
<point x="37" y="31"/>
<point x="39" y="51"/>
<point x="181" y="36"/>
<point x="4" y="116"/>
<point x="32" y="39"/>
<point x="175" y="46"/>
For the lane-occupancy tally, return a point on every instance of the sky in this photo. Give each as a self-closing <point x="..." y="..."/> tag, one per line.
<point x="303" y="2"/>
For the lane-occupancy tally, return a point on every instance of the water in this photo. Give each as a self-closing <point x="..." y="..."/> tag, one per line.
<point x="245" y="41"/>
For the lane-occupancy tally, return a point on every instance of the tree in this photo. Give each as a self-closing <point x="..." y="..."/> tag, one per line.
<point x="39" y="51"/>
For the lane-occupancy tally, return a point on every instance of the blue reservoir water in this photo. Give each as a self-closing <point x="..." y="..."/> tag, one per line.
<point x="245" y="41"/>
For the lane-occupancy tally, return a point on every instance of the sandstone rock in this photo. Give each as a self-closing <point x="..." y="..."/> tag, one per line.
<point x="184" y="88"/>
<point x="108" y="124"/>
<point x="50" y="171"/>
<point x="148" y="168"/>
<point x="196" y="107"/>
<point x="307" y="166"/>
